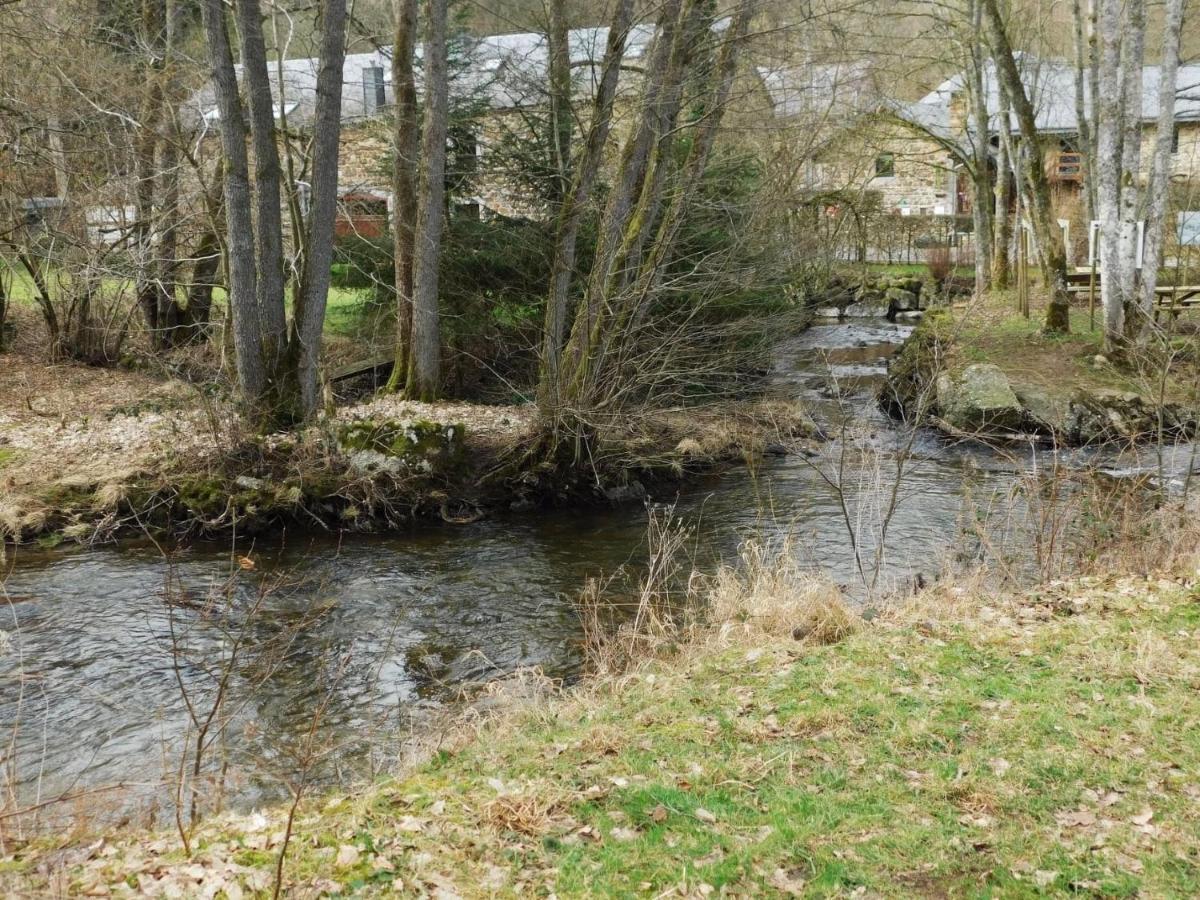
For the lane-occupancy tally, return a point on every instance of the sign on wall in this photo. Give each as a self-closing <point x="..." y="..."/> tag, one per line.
<point x="1189" y="228"/>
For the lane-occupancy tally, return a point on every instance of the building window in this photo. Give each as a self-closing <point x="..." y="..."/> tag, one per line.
<point x="885" y="165"/>
<point x="374" y="89"/>
<point x="1175" y="139"/>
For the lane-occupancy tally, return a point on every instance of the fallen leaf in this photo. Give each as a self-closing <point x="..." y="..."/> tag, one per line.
<point x="246" y="563"/>
<point x="658" y="814"/>
<point x="787" y="882"/>
<point x="704" y="815"/>
<point x="1044" y="877"/>
<point x="624" y="834"/>
<point x="1080" y="818"/>
<point x="1143" y="818"/>
<point x="347" y="856"/>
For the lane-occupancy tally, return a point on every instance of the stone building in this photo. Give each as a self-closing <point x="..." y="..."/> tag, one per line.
<point x="910" y="154"/>
<point x="495" y="80"/>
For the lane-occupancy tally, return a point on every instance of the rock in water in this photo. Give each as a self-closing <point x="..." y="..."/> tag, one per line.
<point x="900" y="300"/>
<point x="979" y="398"/>
<point x="866" y="309"/>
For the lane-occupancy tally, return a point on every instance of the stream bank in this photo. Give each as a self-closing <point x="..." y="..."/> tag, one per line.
<point x="91" y="455"/>
<point x="922" y="753"/>
<point x="979" y="371"/>
<point x="379" y="628"/>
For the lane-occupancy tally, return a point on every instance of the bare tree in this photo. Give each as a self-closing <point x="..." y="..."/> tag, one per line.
<point x="1049" y="239"/>
<point x="276" y="362"/>
<point x="1083" y="46"/>
<point x="1118" y="153"/>
<point x="1160" y="164"/>
<point x="424" y="364"/>
<point x="571" y="213"/>
<point x="980" y="151"/>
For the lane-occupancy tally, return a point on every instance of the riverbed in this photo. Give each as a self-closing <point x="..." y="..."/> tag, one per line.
<point x="107" y="647"/>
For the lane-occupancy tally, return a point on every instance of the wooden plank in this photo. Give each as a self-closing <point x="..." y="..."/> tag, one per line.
<point x="375" y="366"/>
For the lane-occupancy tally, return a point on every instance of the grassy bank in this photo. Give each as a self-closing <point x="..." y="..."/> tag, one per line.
<point x="963" y="745"/>
<point x="992" y="331"/>
<point x="981" y="370"/>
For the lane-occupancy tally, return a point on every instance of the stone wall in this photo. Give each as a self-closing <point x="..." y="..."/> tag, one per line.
<point x="922" y="177"/>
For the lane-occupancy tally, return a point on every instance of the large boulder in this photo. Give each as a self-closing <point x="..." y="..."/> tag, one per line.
<point x="1045" y="414"/>
<point x="979" y="399"/>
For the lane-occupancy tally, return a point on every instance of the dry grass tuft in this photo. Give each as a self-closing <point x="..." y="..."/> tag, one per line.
<point x="768" y="594"/>
<point x="522" y="814"/>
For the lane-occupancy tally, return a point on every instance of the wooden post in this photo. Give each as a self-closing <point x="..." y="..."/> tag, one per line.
<point x="1092" y="296"/>
<point x="1023" y="272"/>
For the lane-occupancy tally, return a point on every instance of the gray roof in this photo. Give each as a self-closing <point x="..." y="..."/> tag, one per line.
<point x="819" y="88"/>
<point x="1051" y="87"/>
<point x="503" y="71"/>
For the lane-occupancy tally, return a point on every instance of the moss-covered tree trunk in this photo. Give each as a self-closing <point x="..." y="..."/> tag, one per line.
<point x="424" y="362"/>
<point x="406" y="154"/>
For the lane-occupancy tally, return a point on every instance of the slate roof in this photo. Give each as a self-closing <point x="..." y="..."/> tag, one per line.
<point x="1051" y="86"/>
<point x="503" y="71"/>
<point x="838" y="87"/>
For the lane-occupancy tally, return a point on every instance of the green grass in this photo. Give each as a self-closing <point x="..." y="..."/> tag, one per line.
<point x="992" y="331"/>
<point x="916" y="269"/>
<point x="343" y="317"/>
<point x="1051" y="748"/>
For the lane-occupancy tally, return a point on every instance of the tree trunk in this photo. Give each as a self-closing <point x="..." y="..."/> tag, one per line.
<point x="242" y="269"/>
<point x="1049" y="239"/>
<point x="1081" y="116"/>
<point x="1133" y="43"/>
<point x="1093" y="182"/>
<point x="1108" y="163"/>
<point x="616" y="222"/>
<point x="153" y="23"/>
<point x="1003" y="231"/>
<point x="558" y="44"/>
<point x="424" y="369"/>
<point x="308" y="317"/>
<point x="1160" y="164"/>
<point x="980" y="145"/>
<point x="268" y="206"/>
<point x="277" y="363"/>
<point x="570" y="216"/>
<point x="704" y="138"/>
<point x="406" y="150"/>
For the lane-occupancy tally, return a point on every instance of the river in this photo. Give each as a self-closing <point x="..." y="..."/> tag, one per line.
<point x="367" y="630"/>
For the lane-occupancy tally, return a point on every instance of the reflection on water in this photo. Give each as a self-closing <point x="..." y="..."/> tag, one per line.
<point x="379" y="626"/>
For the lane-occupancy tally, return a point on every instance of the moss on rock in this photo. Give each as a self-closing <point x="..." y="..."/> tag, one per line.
<point x="417" y="445"/>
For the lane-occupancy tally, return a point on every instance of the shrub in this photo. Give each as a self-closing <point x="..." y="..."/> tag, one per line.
<point x="940" y="265"/>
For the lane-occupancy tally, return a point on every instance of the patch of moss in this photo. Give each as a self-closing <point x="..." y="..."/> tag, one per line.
<point x="912" y="369"/>
<point x="7" y="456"/>
<point x="419" y="442"/>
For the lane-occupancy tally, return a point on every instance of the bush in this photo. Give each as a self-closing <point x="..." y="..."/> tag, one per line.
<point x="940" y="265"/>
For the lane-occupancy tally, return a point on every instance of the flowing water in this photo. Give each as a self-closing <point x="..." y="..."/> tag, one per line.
<point x="366" y="630"/>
